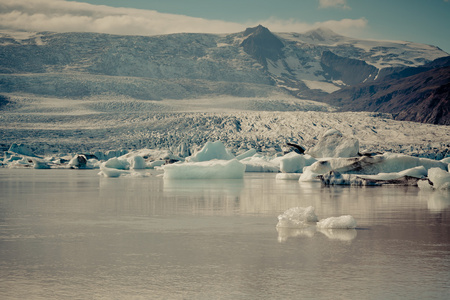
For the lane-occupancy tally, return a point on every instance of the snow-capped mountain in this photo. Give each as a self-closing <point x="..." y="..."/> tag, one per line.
<point x="252" y="63"/>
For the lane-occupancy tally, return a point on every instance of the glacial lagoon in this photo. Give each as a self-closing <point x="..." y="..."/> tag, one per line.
<point x="72" y="234"/>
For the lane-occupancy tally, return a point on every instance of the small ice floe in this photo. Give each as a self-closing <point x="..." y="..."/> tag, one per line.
<point x="213" y="169"/>
<point x="297" y="217"/>
<point x="303" y="222"/>
<point x="406" y="177"/>
<point x="113" y="173"/>
<point x="438" y="179"/>
<point x="342" y="222"/>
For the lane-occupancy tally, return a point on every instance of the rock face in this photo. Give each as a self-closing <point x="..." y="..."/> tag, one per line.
<point x="348" y="70"/>
<point x="423" y="97"/>
<point x="262" y="44"/>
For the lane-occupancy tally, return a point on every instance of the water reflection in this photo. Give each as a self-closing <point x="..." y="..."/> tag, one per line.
<point x="437" y="201"/>
<point x="346" y="235"/>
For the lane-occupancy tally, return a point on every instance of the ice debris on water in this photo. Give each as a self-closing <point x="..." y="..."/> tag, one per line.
<point x="302" y="221"/>
<point x="342" y="222"/>
<point x="438" y="179"/>
<point x="298" y="217"/>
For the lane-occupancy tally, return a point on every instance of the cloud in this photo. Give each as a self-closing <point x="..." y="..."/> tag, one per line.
<point x="65" y="16"/>
<point x="333" y="3"/>
<point x="348" y="27"/>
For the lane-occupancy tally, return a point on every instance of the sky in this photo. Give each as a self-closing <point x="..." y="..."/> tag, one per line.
<point x="421" y="21"/>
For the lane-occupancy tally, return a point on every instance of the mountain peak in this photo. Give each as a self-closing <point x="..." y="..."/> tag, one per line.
<point x="257" y="30"/>
<point x="262" y="44"/>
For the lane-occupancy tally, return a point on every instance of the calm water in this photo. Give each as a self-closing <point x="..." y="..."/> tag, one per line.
<point x="67" y="234"/>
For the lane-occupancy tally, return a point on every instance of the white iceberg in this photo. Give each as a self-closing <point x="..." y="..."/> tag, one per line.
<point x="21" y="149"/>
<point x="297" y="217"/>
<point x="137" y="162"/>
<point x="213" y="169"/>
<point x="259" y="163"/>
<point x="405" y="177"/>
<point x="294" y="162"/>
<point x="248" y="153"/>
<point x="373" y="165"/>
<point x="438" y="179"/>
<point x="116" y="163"/>
<point x="334" y="144"/>
<point x="210" y="151"/>
<point x="342" y="222"/>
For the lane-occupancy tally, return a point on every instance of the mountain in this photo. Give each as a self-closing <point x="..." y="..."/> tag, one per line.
<point x="254" y="62"/>
<point x="421" y="97"/>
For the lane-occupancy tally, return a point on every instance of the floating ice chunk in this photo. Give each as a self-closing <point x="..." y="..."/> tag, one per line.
<point x="111" y="172"/>
<point x="406" y="177"/>
<point x="438" y="179"/>
<point x="294" y="162"/>
<point x="156" y="163"/>
<point x="334" y="144"/>
<point x="137" y="162"/>
<point x="211" y="150"/>
<point x="386" y="163"/>
<point x="258" y="163"/>
<point x="248" y="153"/>
<point x="213" y="169"/>
<point x="417" y="172"/>
<point x="308" y="176"/>
<point x="39" y="164"/>
<point x="287" y="176"/>
<point x="21" y="149"/>
<point x="342" y="222"/>
<point x="116" y="163"/>
<point x="297" y="217"/>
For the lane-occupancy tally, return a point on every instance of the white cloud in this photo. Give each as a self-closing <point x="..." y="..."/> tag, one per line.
<point x="347" y="27"/>
<point x="64" y="16"/>
<point x="333" y="3"/>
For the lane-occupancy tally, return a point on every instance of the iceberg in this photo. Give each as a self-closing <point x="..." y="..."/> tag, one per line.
<point x="213" y="169"/>
<point x="137" y="162"/>
<point x="438" y="179"/>
<point x="297" y="217"/>
<point x="211" y="150"/>
<point x="116" y="163"/>
<point x="248" y="153"/>
<point x="259" y="163"/>
<point x="373" y="165"/>
<point x="406" y="177"/>
<point x="342" y="222"/>
<point x="21" y="149"/>
<point x="294" y="162"/>
<point x="334" y="144"/>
